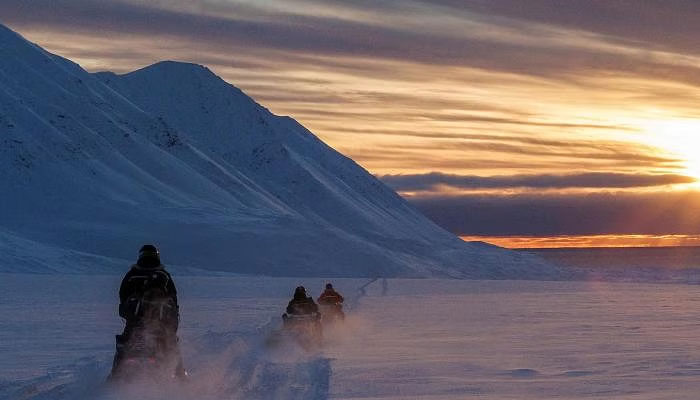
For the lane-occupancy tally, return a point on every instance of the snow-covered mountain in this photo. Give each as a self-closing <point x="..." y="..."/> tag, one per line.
<point x="97" y="164"/>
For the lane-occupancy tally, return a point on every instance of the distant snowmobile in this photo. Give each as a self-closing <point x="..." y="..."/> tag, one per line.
<point x="332" y="313"/>
<point x="301" y="322"/>
<point x="305" y="329"/>
<point x="331" y="305"/>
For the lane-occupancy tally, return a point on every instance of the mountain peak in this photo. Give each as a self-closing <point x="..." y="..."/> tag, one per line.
<point x="170" y="67"/>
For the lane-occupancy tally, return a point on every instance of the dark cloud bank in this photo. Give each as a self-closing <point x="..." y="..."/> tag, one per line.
<point x="651" y="209"/>
<point x="655" y="213"/>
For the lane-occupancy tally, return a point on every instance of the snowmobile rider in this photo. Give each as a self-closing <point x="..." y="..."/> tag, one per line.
<point x="302" y="318"/>
<point x="330" y="297"/>
<point x="331" y="303"/>
<point x="147" y="298"/>
<point x="301" y="304"/>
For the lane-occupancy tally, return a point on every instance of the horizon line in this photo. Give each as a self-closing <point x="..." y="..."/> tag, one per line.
<point x="607" y="241"/>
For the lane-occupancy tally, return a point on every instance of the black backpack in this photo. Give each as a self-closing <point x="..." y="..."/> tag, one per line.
<point x="151" y="300"/>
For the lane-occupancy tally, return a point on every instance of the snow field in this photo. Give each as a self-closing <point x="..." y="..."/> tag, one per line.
<point x="524" y="340"/>
<point x="407" y="339"/>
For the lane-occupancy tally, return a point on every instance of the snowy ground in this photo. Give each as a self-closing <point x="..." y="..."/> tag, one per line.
<point x="410" y="339"/>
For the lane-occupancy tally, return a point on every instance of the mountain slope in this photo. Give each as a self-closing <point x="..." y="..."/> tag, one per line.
<point x="172" y="154"/>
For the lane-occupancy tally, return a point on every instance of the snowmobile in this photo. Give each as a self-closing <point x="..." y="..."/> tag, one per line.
<point x="304" y="328"/>
<point x="147" y="354"/>
<point x="331" y="313"/>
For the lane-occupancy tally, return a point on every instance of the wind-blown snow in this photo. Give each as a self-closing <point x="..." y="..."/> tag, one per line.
<point x="405" y="339"/>
<point x="99" y="164"/>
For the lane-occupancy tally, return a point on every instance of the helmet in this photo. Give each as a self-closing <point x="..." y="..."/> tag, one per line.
<point x="149" y="257"/>
<point x="329" y="286"/>
<point x="300" y="291"/>
<point x="149" y="250"/>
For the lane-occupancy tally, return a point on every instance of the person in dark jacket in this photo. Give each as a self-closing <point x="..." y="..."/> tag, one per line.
<point x="301" y="304"/>
<point x="331" y="303"/>
<point x="303" y="317"/>
<point x="148" y="301"/>
<point x="330" y="297"/>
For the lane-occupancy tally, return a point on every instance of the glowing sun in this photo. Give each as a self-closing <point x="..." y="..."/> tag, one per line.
<point x="680" y="138"/>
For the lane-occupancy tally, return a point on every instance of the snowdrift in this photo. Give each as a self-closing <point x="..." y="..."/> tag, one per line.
<point x="94" y="165"/>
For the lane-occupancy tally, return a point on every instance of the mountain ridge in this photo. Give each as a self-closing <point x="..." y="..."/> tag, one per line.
<point x="100" y="163"/>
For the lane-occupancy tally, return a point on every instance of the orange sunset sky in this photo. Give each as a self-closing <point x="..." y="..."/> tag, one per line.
<point x="523" y="123"/>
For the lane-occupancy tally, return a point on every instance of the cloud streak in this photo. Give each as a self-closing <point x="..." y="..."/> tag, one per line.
<point x="592" y="180"/>
<point x="540" y="51"/>
<point x="668" y="25"/>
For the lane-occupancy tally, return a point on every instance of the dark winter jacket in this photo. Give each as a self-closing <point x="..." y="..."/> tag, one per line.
<point x="330" y="297"/>
<point x="302" y="305"/>
<point x="142" y="284"/>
